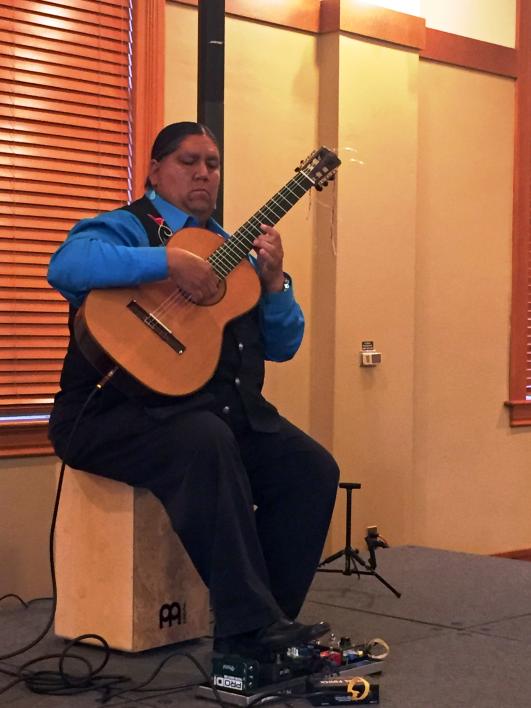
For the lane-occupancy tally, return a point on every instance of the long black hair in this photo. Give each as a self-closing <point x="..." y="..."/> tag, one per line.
<point x="172" y="135"/>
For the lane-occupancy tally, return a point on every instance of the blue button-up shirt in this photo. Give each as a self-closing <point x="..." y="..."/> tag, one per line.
<point x="112" y="250"/>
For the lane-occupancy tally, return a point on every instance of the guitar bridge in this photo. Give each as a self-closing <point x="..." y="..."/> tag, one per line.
<point x="157" y="326"/>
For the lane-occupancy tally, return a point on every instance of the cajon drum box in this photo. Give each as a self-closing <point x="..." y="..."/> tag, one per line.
<point x="121" y="570"/>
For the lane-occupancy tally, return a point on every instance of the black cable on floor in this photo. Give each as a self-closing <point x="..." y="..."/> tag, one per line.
<point x="109" y="686"/>
<point x="25" y="648"/>
<point x="143" y="686"/>
<point x="61" y="683"/>
<point x="17" y="597"/>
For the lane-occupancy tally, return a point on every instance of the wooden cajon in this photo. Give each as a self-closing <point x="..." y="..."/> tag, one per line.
<point x="122" y="572"/>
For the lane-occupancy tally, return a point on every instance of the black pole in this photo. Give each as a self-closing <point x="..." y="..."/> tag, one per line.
<point x="211" y="76"/>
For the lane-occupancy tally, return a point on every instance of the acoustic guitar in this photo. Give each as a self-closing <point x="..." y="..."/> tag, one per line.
<point x="155" y="333"/>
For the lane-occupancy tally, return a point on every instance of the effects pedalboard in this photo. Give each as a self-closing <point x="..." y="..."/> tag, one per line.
<point x="325" y="675"/>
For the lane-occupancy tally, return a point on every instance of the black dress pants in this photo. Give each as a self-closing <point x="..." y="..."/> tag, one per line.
<point x="252" y="509"/>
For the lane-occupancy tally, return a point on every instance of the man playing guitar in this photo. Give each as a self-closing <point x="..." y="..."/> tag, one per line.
<point x="249" y="494"/>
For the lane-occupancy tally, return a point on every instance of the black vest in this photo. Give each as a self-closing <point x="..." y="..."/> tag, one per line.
<point x="234" y="391"/>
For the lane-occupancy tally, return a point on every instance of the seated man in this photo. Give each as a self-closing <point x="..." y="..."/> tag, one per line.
<point x="248" y="493"/>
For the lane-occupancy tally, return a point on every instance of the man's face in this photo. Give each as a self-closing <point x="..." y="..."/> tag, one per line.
<point x="189" y="177"/>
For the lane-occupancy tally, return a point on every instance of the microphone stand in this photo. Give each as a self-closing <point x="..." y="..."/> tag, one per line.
<point x="351" y="555"/>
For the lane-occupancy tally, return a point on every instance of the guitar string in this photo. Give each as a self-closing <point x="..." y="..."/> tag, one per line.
<point x="240" y="235"/>
<point x="263" y="215"/>
<point x="222" y="255"/>
<point x="225" y="251"/>
<point x="247" y="233"/>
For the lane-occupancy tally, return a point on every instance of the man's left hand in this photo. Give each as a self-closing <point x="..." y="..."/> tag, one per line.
<point x="270" y="256"/>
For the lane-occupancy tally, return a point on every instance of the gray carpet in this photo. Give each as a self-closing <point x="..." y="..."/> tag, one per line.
<point x="460" y="636"/>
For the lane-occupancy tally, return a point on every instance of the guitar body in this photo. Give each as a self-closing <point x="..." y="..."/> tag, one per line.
<point x="109" y="324"/>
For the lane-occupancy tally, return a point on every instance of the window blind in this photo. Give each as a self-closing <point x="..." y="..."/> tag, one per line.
<point x="64" y="155"/>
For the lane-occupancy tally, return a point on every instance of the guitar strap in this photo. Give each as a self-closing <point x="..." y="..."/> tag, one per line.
<point x="149" y="217"/>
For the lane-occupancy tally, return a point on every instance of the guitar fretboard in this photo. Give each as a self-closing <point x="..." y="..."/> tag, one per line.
<point x="238" y="246"/>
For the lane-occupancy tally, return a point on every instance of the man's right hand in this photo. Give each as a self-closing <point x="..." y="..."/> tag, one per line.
<point x="192" y="274"/>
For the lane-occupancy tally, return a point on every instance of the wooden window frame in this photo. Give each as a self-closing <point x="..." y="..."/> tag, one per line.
<point x="520" y="352"/>
<point x="27" y="434"/>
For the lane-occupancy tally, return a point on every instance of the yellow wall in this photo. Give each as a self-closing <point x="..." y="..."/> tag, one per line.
<point x="373" y="428"/>
<point x="180" y="68"/>
<point x="27" y="494"/>
<point x="270" y="126"/>
<point x="420" y="263"/>
<point x="472" y="485"/>
<point x="423" y="269"/>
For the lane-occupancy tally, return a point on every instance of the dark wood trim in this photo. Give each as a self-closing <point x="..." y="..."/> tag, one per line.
<point x="148" y="84"/>
<point x="524" y="554"/>
<point x="298" y="14"/>
<point x="470" y="53"/>
<point x="26" y="409"/>
<point x="295" y="14"/>
<point x="520" y="409"/>
<point x="351" y="16"/>
<point x="24" y="439"/>
<point x="329" y="16"/>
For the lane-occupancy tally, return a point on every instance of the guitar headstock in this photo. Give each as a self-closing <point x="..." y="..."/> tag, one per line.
<point x="320" y="167"/>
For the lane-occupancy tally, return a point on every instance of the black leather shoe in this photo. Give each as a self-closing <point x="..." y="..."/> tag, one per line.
<point x="277" y="636"/>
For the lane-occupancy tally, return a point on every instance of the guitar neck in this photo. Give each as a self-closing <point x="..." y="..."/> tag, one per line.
<point x="238" y="246"/>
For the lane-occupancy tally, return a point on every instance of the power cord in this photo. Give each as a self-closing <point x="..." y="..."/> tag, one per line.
<point x="12" y="594"/>
<point x="143" y="687"/>
<point x="61" y="683"/>
<point x="109" y="686"/>
<point x="25" y="648"/>
<point x="23" y="602"/>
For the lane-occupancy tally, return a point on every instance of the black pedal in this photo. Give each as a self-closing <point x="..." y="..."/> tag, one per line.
<point x="235" y="673"/>
<point x="274" y="673"/>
